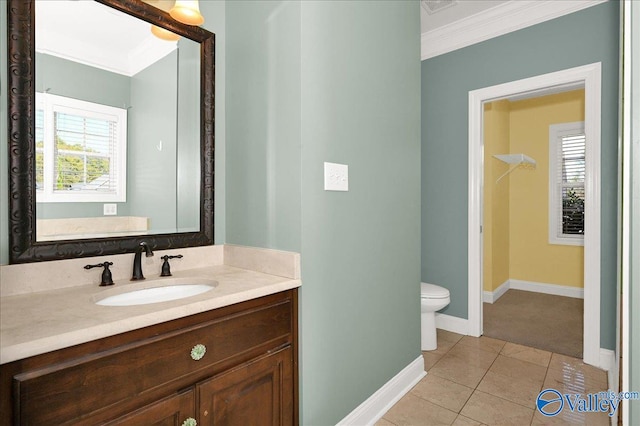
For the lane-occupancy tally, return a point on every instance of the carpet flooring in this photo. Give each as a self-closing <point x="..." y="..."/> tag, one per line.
<point x="543" y="321"/>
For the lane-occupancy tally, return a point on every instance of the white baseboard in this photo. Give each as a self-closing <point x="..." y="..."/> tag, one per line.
<point x="451" y="323"/>
<point x="555" y="289"/>
<point x="608" y="363"/>
<point x="493" y="296"/>
<point x="558" y="290"/>
<point x="372" y="409"/>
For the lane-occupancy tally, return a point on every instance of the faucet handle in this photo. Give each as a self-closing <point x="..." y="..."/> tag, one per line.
<point x="106" y="273"/>
<point x="166" y="268"/>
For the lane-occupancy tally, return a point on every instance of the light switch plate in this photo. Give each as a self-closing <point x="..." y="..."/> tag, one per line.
<point x="110" y="209"/>
<point x="336" y="177"/>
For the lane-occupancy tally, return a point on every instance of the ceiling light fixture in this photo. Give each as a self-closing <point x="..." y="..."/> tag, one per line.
<point x="187" y="12"/>
<point x="164" y="34"/>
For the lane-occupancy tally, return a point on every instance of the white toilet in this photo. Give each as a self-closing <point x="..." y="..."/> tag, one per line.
<point x="433" y="298"/>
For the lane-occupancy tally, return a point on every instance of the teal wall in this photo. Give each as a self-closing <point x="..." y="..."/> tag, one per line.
<point x="314" y="82"/>
<point x="588" y="36"/>
<point x="360" y="249"/>
<point x="263" y="124"/>
<point x="188" y="148"/>
<point x="151" y="173"/>
<point x="78" y="81"/>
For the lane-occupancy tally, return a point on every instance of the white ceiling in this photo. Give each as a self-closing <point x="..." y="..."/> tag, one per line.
<point x="93" y="34"/>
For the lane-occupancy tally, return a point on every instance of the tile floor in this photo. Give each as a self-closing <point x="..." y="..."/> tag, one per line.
<point x="485" y="381"/>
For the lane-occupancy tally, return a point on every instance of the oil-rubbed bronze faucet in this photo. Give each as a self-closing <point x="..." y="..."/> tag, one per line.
<point x="166" y="268"/>
<point x="137" y="260"/>
<point x="106" y="273"/>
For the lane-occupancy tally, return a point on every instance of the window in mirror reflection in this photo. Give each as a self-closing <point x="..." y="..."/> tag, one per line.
<point x="80" y="150"/>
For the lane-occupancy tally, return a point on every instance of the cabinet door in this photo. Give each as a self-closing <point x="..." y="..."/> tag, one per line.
<point x="257" y="393"/>
<point x="170" y="411"/>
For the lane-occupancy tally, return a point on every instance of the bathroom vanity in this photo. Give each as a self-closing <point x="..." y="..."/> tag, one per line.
<point x="225" y="357"/>
<point x="148" y="376"/>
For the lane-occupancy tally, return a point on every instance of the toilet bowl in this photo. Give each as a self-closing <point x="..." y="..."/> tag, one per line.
<point x="433" y="298"/>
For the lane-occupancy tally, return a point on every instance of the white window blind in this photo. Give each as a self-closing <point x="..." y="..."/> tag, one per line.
<point x="80" y="151"/>
<point x="567" y="150"/>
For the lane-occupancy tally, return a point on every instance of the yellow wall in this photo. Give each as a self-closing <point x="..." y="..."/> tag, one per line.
<point x="532" y="258"/>
<point x="516" y="209"/>
<point x="496" y="197"/>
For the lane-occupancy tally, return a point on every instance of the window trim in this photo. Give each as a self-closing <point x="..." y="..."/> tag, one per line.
<point x="47" y="102"/>
<point x="556" y="133"/>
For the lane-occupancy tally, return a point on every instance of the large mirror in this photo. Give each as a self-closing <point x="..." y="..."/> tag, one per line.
<point x="106" y="124"/>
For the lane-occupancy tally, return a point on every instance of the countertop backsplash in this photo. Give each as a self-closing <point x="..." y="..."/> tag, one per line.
<point x="34" y="277"/>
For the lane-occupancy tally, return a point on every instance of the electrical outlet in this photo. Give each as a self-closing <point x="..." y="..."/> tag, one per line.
<point x="336" y="177"/>
<point x="110" y="209"/>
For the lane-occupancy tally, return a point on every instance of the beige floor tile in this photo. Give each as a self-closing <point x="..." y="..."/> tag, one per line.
<point x="458" y="370"/>
<point x="414" y="411"/>
<point x="492" y="410"/>
<point x="442" y="392"/>
<point x="446" y="340"/>
<point x="449" y="335"/>
<point x="384" y="422"/>
<point x="473" y="356"/>
<point x="508" y="377"/>
<point x="569" y="364"/>
<point x="465" y="421"/>
<point x="430" y="359"/>
<point x="525" y="353"/>
<point x="572" y="381"/>
<point x="518" y="369"/>
<point x="566" y="417"/>
<point x="521" y="391"/>
<point x="484" y="343"/>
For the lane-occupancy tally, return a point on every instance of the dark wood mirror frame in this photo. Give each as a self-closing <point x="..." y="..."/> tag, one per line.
<point x="23" y="246"/>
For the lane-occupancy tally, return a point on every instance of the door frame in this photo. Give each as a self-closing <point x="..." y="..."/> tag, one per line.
<point x="589" y="76"/>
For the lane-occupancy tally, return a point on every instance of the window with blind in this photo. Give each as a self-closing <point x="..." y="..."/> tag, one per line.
<point x="567" y="148"/>
<point x="80" y="151"/>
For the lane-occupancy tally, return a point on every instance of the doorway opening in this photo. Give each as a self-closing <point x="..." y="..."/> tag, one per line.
<point x="588" y="77"/>
<point x="533" y="220"/>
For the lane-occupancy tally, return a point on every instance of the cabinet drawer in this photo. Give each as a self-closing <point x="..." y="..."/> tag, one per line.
<point x="103" y="382"/>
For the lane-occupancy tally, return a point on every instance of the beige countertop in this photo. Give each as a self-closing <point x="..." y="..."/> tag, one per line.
<point x="43" y="321"/>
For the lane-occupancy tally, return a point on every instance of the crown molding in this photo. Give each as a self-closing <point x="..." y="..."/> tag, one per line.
<point x="508" y="17"/>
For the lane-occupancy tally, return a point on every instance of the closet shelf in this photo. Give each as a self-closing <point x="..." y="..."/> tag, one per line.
<point x="515" y="159"/>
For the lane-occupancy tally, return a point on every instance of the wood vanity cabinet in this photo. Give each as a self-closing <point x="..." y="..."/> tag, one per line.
<point x="151" y="376"/>
<point x="169" y="411"/>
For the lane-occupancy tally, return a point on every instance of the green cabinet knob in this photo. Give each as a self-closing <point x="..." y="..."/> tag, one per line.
<point x="198" y="351"/>
<point x="190" y="422"/>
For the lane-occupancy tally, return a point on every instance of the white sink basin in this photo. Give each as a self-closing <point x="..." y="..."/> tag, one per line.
<point x="159" y="291"/>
